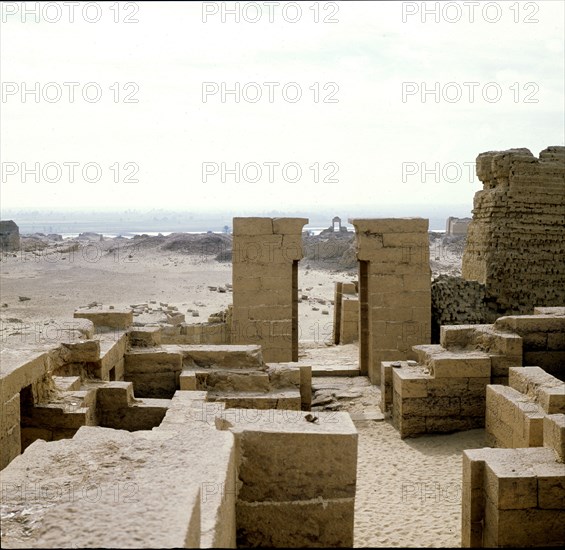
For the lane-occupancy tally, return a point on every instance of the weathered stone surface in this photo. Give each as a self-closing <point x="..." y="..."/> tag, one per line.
<point x="107" y="318"/>
<point x="515" y="241"/>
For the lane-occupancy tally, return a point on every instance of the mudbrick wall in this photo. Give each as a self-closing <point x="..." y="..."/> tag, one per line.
<point x="516" y="241"/>
<point x="514" y="257"/>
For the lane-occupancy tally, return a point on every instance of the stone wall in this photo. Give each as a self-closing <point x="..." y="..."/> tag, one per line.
<point x="515" y="413"/>
<point x="514" y="497"/>
<point x="265" y="285"/>
<point x="394" y="290"/>
<point x="543" y="336"/>
<point x="516" y="241"/>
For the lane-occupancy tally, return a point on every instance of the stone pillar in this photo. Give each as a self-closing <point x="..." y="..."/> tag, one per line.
<point x="265" y="285"/>
<point x="394" y="290"/>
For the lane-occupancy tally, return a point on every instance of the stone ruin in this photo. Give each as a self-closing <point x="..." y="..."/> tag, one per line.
<point x="116" y="418"/>
<point x="514" y="257"/>
<point x="457" y="226"/>
<point x="145" y="402"/>
<point x="9" y="236"/>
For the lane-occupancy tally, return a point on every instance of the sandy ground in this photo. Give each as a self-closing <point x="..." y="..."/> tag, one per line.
<point x="58" y="283"/>
<point x="408" y="491"/>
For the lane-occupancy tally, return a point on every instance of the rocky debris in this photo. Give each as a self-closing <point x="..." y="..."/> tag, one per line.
<point x="344" y="393"/>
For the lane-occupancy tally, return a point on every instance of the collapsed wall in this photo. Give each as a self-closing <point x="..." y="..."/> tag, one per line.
<point x="516" y="241"/>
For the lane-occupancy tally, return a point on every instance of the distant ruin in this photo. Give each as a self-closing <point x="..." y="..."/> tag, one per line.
<point x="9" y="236"/>
<point x="457" y="226"/>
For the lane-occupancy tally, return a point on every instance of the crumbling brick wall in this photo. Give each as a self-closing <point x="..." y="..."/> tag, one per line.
<point x="516" y="241"/>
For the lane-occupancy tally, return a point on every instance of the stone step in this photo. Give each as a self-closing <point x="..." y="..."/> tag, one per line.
<point x="228" y="356"/>
<point x="112" y="350"/>
<point x="282" y="399"/>
<point x="67" y="383"/>
<point x="443" y="363"/>
<point x="222" y="380"/>
<point x="115" y="395"/>
<point x="546" y="390"/>
<point x="335" y="370"/>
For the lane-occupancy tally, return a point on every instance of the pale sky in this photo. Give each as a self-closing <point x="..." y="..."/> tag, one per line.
<point x="371" y="144"/>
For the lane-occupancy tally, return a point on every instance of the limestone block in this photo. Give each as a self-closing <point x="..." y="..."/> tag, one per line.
<point x="187" y="381"/>
<point x="252" y="226"/>
<point x="145" y="336"/>
<point x="232" y="356"/>
<point x="545" y="389"/>
<point x="431" y="406"/>
<point x="152" y="361"/>
<point x="315" y="460"/>
<point x="115" y="395"/>
<point x="550" y="486"/>
<point x="324" y="523"/>
<point x="473" y="406"/>
<point x="87" y="350"/>
<point x="10" y="414"/>
<point x="554" y="434"/>
<point x="511" y="492"/>
<point x="457" y="365"/>
<point x="348" y="288"/>
<point x="290" y="226"/>
<point x="292" y="249"/>
<point x="390" y="225"/>
<point x="10" y="444"/>
<point x="406" y="239"/>
<point x="409" y="383"/>
<point x="112" y="350"/>
<point x="109" y="318"/>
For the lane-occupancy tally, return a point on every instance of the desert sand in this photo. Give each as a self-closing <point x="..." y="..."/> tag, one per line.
<point x="408" y="491"/>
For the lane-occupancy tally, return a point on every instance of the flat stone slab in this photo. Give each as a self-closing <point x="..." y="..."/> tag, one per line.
<point x="367" y="416"/>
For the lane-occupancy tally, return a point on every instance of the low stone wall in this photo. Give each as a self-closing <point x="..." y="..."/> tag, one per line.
<point x="515" y="414"/>
<point x="445" y="390"/>
<point x="512" y="498"/>
<point x="543" y="336"/>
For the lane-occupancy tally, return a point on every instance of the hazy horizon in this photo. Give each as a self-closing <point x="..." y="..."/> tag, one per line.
<point x="53" y="220"/>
